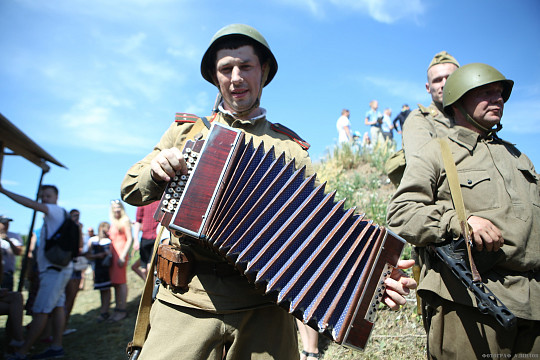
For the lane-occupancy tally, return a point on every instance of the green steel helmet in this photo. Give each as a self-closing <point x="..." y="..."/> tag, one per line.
<point x="238" y="30"/>
<point x="469" y="77"/>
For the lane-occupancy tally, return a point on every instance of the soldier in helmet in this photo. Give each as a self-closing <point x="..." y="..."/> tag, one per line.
<point x="220" y="315"/>
<point x="426" y="123"/>
<point x="501" y="194"/>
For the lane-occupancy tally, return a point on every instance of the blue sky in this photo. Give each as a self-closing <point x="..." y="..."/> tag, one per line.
<point x="97" y="83"/>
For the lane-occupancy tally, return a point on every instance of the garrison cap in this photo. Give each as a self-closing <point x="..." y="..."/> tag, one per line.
<point x="443" y="58"/>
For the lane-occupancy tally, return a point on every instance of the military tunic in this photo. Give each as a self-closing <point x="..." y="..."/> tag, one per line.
<point x="498" y="183"/>
<point x="213" y="293"/>
<point x="422" y="125"/>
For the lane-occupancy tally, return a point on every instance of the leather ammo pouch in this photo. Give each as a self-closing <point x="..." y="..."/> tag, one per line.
<point x="174" y="267"/>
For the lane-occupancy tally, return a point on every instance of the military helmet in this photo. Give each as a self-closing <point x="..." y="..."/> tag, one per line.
<point x="471" y="76"/>
<point x="207" y="67"/>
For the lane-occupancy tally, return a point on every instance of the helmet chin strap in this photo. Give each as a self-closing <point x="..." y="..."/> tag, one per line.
<point x="488" y="132"/>
<point x="256" y="103"/>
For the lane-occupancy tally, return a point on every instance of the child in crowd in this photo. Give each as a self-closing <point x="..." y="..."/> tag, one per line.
<point x="99" y="251"/>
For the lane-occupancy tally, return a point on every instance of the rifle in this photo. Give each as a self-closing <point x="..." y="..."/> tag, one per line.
<point x="454" y="254"/>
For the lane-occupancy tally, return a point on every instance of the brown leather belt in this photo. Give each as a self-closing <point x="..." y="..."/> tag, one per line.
<point x="220" y="269"/>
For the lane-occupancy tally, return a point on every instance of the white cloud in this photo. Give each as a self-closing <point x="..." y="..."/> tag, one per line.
<point x="96" y="122"/>
<point x="385" y="11"/>
<point x="133" y="43"/>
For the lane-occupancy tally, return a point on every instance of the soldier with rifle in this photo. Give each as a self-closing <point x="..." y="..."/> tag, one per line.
<point x="500" y="190"/>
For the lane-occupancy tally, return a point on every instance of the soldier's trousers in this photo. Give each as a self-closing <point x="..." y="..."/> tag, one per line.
<point x="178" y="332"/>
<point x="462" y="332"/>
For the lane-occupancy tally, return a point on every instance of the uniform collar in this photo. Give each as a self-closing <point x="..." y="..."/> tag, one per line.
<point x="469" y="138"/>
<point x="234" y="122"/>
<point x="464" y="137"/>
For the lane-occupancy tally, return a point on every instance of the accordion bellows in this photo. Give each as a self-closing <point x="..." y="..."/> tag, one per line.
<point x="324" y="264"/>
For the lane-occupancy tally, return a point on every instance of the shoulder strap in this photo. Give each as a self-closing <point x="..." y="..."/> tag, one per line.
<point x="457" y="198"/>
<point x="185" y="118"/>
<point x="142" y="324"/>
<point x="294" y="136"/>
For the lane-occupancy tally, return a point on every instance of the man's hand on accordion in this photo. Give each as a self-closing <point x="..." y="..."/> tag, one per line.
<point x="166" y="163"/>
<point x="398" y="285"/>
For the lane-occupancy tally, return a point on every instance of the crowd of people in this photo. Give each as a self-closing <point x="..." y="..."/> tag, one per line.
<point x="219" y="315"/>
<point x="381" y="126"/>
<point x="52" y="289"/>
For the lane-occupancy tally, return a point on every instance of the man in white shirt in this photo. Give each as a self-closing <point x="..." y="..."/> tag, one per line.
<point x="343" y="126"/>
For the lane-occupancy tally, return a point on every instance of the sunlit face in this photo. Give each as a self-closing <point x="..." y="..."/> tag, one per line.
<point x="117" y="211"/>
<point x="437" y="75"/>
<point x="4" y="226"/>
<point x="239" y="75"/>
<point x="485" y="104"/>
<point x="48" y="196"/>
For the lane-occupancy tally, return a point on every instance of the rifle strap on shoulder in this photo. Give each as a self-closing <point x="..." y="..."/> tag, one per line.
<point x="142" y="324"/>
<point x="457" y="198"/>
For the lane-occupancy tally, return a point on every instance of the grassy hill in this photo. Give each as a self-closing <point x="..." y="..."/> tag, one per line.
<point x="358" y="175"/>
<point x="355" y="174"/>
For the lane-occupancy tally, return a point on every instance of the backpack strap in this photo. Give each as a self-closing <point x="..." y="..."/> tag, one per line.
<point x="294" y="136"/>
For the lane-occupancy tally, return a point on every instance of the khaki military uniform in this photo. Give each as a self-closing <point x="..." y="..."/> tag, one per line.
<point x="221" y="299"/>
<point x="498" y="183"/>
<point x="422" y="125"/>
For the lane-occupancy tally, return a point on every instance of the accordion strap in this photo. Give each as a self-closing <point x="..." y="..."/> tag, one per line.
<point x="142" y="324"/>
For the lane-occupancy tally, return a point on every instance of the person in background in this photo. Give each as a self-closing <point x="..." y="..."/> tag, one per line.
<point x="373" y="121"/>
<point x="343" y="126"/>
<point x="121" y="241"/>
<point x="50" y="298"/>
<point x="73" y="286"/>
<point x="99" y="251"/>
<point x="426" y="123"/>
<point x="11" y="304"/>
<point x="399" y="120"/>
<point x="11" y="246"/>
<point x="386" y="125"/>
<point x="147" y="225"/>
<point x="310" y="341"/>
<point x="86" y="241"/>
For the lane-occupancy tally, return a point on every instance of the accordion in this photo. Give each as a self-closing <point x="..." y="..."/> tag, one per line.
<point x="323" y="263"/>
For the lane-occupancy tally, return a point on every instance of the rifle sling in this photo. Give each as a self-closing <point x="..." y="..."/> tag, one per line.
<point x="459" y="206"/>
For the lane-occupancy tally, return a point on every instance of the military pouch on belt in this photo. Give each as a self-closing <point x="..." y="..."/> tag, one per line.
<point x="174" y="267"/>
